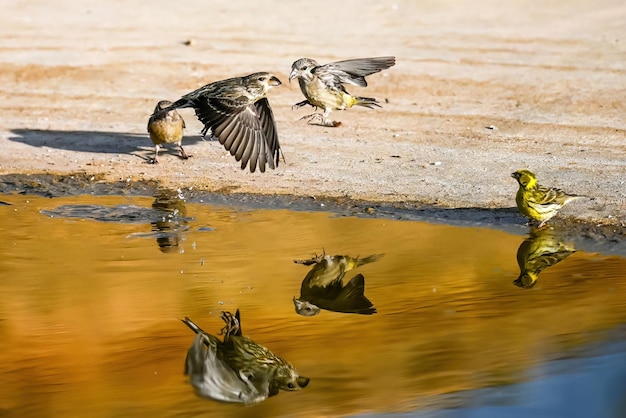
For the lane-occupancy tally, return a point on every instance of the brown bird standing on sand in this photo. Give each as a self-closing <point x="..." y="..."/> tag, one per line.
<point x="166" y="128"/>
<point x="239" y="116"/>
<point x="322" y="85"/>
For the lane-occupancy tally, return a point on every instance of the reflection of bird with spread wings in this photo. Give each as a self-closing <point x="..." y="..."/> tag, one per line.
<point x="542" y="249"/>
<point x="323" y="286"/>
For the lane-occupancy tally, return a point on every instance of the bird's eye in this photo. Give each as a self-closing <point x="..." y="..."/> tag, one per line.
<point x="290" y="385"/>
<point x="308" y="309"/>
<point x="261" y="78"/>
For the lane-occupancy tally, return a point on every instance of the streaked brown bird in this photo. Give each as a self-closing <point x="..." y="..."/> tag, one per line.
<point x="323" y="288"/>
<point x="236" y="369"/>
<point x="542" y="249"/>
<point x="323" y="85"/>
<point x="539" y="202"/>
<point x="239" y="116"/>
<point x="166" y="127"/>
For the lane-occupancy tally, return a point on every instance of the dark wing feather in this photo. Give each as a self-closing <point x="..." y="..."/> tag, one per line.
<point x="347" y="299"/>
<point x="242" y="128"/>
<point x="352" y="71"/>
<point x="268" y="126"/>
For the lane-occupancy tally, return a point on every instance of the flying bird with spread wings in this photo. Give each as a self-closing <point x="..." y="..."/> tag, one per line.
<point x="238" y="114"/>
<point x="323" y="85"/>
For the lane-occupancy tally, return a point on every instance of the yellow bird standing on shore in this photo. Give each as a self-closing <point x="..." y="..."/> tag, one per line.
<point x="539" y="202"/>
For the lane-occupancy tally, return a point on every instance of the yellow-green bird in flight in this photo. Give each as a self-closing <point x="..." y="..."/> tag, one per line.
<point x="323" y="85"/>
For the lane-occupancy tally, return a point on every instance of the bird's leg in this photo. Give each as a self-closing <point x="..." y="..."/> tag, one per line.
<point x="328" y="122"/>
<point x="203" y="133"/>
<point x="310" y="118"/>
<point x="232" y="325"/>
<point x="183" y="154"/>
<point x="314" y="260"/>
<point x="321" y="119"/>
<point x="155" y="160"/>
<point x="303" y="103"/>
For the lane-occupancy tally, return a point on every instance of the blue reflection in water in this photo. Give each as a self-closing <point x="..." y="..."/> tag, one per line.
<point x="591" y="387"/>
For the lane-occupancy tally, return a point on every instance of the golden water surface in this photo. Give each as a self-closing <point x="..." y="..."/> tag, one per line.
<point x="90" y="311"/>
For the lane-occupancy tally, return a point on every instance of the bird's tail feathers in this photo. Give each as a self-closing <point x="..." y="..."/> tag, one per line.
<point x="368" y="259"/>
<point x="368" y="102"/>
<point x="572" y="197"/>
<point x="192" y="326"/>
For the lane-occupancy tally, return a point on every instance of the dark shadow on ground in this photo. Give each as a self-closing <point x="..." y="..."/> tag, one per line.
<point x="96" y="141"/>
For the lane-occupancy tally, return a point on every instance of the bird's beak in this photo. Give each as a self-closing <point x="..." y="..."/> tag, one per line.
<point x="274" y="81"/>
<point x="302" y="381"/>
<point x="514" y="175"/>
<point x="294" y="74"/>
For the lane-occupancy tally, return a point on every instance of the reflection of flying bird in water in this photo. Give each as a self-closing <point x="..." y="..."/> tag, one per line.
<point x="323" y="287"/>
<point x="542" y="249"/>
<point x="237" y="369"/>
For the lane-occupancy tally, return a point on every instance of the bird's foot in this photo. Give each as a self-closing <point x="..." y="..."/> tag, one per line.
<point x="312" y="117"/>
<point x="331" y="123"/>
<point x="232" y="326"/>
<point x="302" y="104"/>
<point x="183" y="154"/>
<point x="153" y="160"/>
<point x="204" y="132"/>
<point x="314" y="260"/>
<point x="319" y="119"/>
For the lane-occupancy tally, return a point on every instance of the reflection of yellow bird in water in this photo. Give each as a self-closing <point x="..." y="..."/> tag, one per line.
<point x="237" y="369"/>
<point x="323" y="287"/>
<point x="542" y="249"/>
<point x="538" y="202"/>
<point x="166" y="128"/>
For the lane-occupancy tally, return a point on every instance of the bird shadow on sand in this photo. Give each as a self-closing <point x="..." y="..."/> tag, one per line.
<point x="138" y="145"/>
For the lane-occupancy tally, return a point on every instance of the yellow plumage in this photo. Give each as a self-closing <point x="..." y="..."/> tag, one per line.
<point x="542" y="249"/>
<point x="538" y="202"/>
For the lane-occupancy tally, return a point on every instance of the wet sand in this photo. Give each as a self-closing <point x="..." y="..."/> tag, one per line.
<point x="479" y="91"/>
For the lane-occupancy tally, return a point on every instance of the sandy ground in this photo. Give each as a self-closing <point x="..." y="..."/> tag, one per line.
<point x="480" y="89"/>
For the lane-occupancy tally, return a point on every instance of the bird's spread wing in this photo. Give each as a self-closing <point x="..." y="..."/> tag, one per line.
<point x="347" y="299"/>
<point x="352" y="71"/>
<point x="266" y="116"/>
<point x="246" y="130"/>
